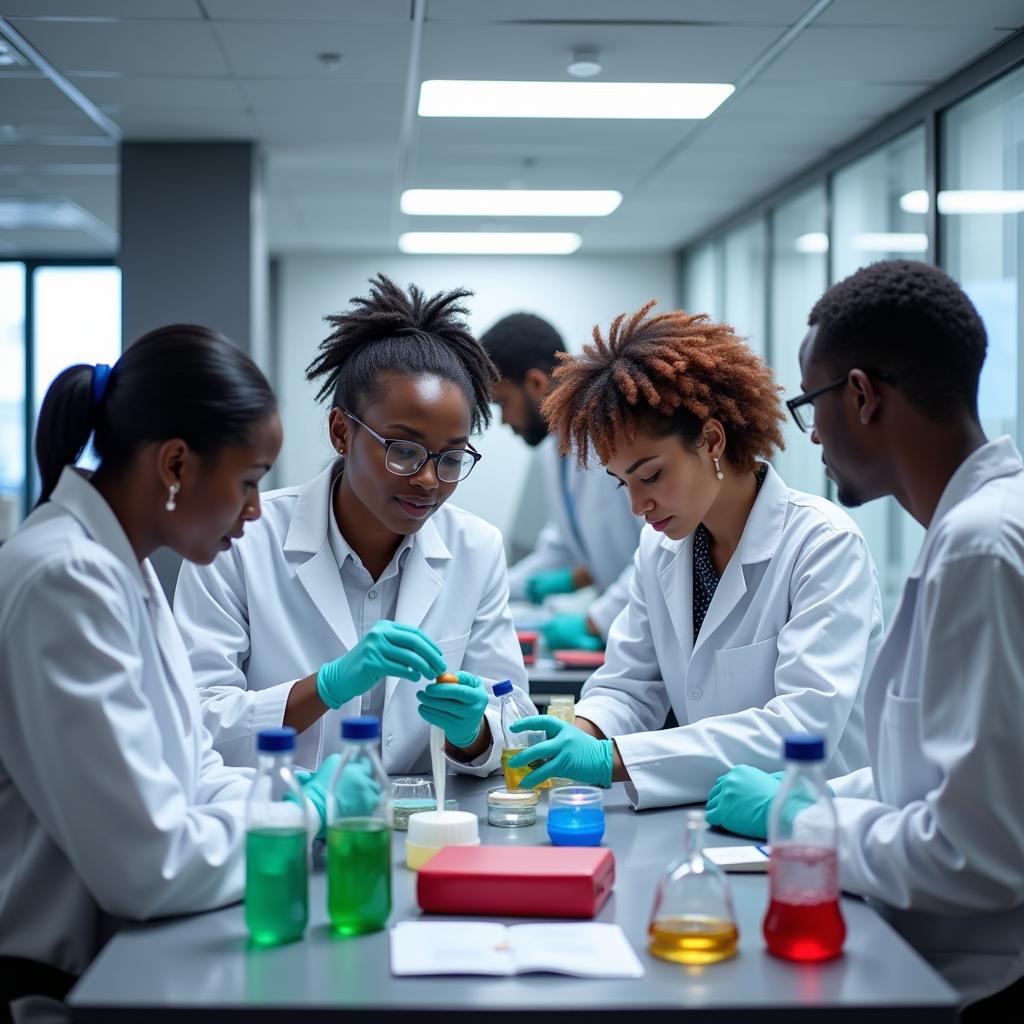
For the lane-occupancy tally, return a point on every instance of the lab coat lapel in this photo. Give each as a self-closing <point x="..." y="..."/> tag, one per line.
<point x="676" y="580"/>
<point x="420" y="583"/>
<point x="728" y="594"/>
<point x="319" y="575"/>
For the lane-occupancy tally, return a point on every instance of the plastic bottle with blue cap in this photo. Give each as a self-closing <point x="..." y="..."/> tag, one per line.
<point x="276" y="845"/>
<point x="359" y="833"/>
<point x="804" y="921"/>
<point x="513" y="742"/>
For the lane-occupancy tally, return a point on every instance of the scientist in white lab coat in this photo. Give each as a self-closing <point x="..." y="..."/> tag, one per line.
<point x="114" y="804"/>
<point x="356" y="589"/>
<point x="932" y="830"/>
<point x="753" y="608"/>
<point x="592" y="534"/>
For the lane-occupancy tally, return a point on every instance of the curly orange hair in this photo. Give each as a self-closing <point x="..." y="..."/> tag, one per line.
<point x="660" y="375"/>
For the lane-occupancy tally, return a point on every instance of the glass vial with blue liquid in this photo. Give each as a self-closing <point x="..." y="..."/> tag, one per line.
<point x="576" y="816"/>
<point x="276" y="845"/>
<point x="359" y="833"/>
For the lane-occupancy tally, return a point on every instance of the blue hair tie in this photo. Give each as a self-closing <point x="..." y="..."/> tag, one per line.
<point x="100" y="376"/>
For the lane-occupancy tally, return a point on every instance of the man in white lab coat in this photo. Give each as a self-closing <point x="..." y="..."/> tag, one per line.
<point x="592" y="534"/>
<point x="933" y="830"/>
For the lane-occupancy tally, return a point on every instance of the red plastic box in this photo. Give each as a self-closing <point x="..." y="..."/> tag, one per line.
<point x="516" y="881"/>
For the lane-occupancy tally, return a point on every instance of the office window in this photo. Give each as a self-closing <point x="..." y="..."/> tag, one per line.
<point x="744" y="251"/>
<point x="799" y="276"/>
<point x="12" y="395"/>
<point x="878" y="212"/>
<point x="981" y="197"/>
<point x="701" y="280"/>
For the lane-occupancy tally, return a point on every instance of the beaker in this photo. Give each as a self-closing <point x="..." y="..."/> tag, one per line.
<point x="693" y="920"/>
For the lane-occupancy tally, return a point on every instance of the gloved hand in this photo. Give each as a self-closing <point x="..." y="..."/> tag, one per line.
<point x="547" y="582"/>
<point x="457" y="707"/>
<point x="358" y="790"/>
<point x="570" y="631"/>
<point x="740" y="799"/>
<point x="567" y="753"/>
<point x="388" y="649"/>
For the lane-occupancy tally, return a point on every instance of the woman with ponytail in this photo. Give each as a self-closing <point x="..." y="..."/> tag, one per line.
<point x="357" y="589"/>
<point x="114" y="803"/>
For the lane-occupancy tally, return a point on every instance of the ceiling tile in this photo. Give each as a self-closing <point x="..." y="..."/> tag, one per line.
<point x="756" y="12"/>
<point x="145" y="91"/>
<point x="178" y="48"/>
<point x="184" y="123"/>
<point x="847" y="99"/>
<point x="922" y="13"/>
<point x="92" y="9"/>
<point x="309" y="10"/>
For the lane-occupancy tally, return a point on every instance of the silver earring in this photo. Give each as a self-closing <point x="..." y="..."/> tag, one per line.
<point x="172" y="493"/>
<point x="718" y="470"/>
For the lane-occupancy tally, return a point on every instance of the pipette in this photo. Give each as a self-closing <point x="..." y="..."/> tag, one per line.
<point x="438" y="765"/>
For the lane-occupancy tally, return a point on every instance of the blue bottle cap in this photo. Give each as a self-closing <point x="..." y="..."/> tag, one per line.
<point x="500" y="689"/>
<point x="365" y="727"/>
<point x="276" y="739"/>
<point x="805" y="748"/>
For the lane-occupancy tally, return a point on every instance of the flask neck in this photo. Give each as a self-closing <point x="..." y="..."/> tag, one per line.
<point x="693" y="841"/>
<point x="272" y="759"/>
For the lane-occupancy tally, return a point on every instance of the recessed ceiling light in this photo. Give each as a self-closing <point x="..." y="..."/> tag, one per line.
<point x="891" y="241"/>
<point x="639" y="100"/>
<point x="522" y="243"/>
<point x="812" y="242"/>
<point x="966" y="201"/>
<point x="484" y="202"/>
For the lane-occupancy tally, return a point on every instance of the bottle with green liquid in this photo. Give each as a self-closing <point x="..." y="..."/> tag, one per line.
<point x="276" y="845"/>
<point x="359" y="834"/>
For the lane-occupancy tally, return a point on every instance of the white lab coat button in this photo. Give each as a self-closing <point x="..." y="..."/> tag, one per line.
<point x="373" y="595"/>
<point x="390" y="737"/>
<point x="696" y="693"/>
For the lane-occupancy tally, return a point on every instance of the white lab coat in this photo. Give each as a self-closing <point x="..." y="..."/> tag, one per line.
<point x="934" y="830"/>
<point x="794" y="621"/>
<point x="608" y="534"/>
<point x="273" y="609"/>
<point x="114" y="804"/>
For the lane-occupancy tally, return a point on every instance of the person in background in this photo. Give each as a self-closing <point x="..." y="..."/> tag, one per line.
<point x="114" y="803"/>
<point x="592" y="534"/>
<point x="356" y="589"/>
<point x="753" y="608"/>
<point x="932" y="830"/>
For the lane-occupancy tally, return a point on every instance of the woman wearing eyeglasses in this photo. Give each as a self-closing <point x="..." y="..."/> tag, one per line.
<point x="753" y="608"/>
<point x="361" y="586"/>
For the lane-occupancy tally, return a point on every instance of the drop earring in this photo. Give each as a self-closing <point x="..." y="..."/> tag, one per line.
<point x="172" y="493"/>
<point x="718" y="469"/>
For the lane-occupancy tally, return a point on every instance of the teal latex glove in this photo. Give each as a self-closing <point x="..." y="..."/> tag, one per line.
<point x="388" y="649"/>
<point x="567" y="753"/>
<point x="458" y="708"/>
<point x="358" y="789"/>
<point x="740" y="799"/>
<point x="570" y="631"/>
<point x="547" y="582"/>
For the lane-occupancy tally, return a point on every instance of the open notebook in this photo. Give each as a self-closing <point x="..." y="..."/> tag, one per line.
<point x="587" y="949"/>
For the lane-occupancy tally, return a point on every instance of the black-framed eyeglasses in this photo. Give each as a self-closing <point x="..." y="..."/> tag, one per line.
<point x="404" y="458"/>
<point x="802" y="407"/>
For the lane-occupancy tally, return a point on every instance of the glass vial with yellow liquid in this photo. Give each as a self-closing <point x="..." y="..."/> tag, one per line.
<point x="563" y="707"/>
<point x="693" y="921"/>
<point x="514" y="742"/>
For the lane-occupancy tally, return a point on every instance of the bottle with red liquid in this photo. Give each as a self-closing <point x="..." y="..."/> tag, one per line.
<point x="803" y="920"/>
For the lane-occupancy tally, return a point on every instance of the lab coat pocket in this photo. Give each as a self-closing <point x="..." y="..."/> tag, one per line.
<point x="454" y="650"/>
<point x="746" y="675"/>
<point x="898" y="775"/>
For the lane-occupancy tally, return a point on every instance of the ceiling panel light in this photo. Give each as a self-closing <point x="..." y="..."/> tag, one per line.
<point x="517" y="202"/>
<point x="891" y="241"/>
<point x="642" y="100"/>
<point x="967" y="201"/>
<point x="521" y="243"/>
<point x="812" y="242"/>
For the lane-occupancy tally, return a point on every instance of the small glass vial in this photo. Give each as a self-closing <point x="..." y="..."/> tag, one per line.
<point x="563" y="707"/>
<point x="512" y="808"/>
<point x="693" y="921"/>
<point x="576" y="816"/>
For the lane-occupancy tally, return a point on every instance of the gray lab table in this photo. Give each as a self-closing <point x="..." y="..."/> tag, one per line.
<point x="200" y="968"/>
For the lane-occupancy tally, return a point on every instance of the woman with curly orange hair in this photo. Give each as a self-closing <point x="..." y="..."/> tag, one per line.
<point x="754" y="609"/>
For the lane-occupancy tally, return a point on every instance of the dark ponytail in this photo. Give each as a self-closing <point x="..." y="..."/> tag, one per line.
<point x="392" y="331"/>
<point x="180" y="381"/>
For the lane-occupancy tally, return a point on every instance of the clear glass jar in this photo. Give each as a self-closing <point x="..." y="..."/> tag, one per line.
<point x="512" y="808"/>
<point x="693" y="920"/>
<point x="563" y="707"/>
<point x="576" y="816"/>
<point x="411" y="796"/>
